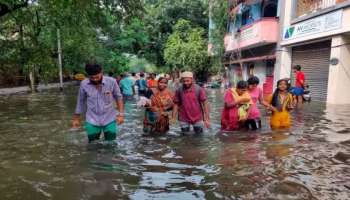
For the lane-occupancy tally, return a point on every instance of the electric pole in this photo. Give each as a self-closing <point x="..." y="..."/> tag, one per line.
<point x="59" y="58"/>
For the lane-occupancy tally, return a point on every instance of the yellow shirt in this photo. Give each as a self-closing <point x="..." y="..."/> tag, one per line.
<point x="281" y="119"/>
<point x="286" y="102"/>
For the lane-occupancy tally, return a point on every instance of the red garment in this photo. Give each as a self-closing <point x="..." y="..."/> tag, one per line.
<point x="229" y="116"/>
<point x="300" y="79"/>
<point x="152" y="83"/>
<point x="190" y="109"/>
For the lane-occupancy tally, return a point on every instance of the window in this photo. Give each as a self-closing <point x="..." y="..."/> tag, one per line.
<point x="246" y="19"/>
<point x="270" y="10"/>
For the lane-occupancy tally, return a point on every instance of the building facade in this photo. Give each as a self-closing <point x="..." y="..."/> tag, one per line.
<point x="315" y="34"/>
<point x="251" y="41"/>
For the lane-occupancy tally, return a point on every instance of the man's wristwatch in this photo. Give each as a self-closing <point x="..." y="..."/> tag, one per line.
<point x="120" y="115"/>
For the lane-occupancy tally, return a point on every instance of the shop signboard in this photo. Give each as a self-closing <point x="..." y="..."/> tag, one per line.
<point x="324" y="23"/>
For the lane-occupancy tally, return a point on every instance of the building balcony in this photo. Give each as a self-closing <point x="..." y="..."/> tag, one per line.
<point x="259" y="33"/>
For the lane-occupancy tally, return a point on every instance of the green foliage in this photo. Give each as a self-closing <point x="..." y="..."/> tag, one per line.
<point x="90" y="31"/>
<point x="161" y="16"/>
<point x="122" y="35"/>
<point x="132" y="37"/>
<point x="141" y="64"/>
<point x="186" y="48"/>
<point x="219" y="18"/>
<point x="218" y="15"/>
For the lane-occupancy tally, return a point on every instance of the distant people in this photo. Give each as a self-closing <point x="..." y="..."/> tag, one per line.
<point x="141" y="85"/>
<point x="191" y="103"/>
<point x="134" y="77"/>
<point x="127" y="87"/>
<point x="254" y="119"/>
<point x="110" y="74"/>
<point x="167" y="76"/>
<point x="119" y="78"/>
<point x="280" y="105"/>
<point x="152" y="82"/>
<point x="79" y="77"/>
<point x="237" y="103"/>
<point x="176" y="82"/>
<point x="298" y="89"/>
<point x="157" y="117"/>
<point x="99" y="92"/>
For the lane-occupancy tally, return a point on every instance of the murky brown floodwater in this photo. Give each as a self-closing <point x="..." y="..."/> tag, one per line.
<point x="41" y="159"/>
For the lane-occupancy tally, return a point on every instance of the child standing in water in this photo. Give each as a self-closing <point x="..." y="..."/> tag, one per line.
<point x="236" y="108"/>
<point x="281" y="104"/>
<point x="254" y="122"/>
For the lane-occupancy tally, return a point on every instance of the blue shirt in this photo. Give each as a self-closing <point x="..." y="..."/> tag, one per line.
<point x="141" y="84"/>
<point x="127" y="84"/>
<point x="99" y="101"/>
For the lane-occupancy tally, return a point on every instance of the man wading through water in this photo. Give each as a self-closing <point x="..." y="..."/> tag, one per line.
<point x="298" y="90"/>
<point x="191" y="102"/>
<point x="99" y="92"/>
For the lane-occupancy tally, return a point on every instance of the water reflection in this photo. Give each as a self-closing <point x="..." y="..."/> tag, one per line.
<point x="40" y="157"/>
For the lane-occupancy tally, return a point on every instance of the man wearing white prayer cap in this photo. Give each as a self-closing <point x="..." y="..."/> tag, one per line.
<point x="191" y="105"/>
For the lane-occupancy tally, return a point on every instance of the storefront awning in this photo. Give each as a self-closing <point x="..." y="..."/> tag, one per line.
<point x="245" y="60"/>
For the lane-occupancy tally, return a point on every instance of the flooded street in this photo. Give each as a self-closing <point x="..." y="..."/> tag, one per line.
<point x="40" y="158"/>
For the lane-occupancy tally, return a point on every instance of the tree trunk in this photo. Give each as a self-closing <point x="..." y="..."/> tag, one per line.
<point x="32" y="79"/>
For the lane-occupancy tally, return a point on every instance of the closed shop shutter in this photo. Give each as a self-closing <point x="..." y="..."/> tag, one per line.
<point x="314" y="61"/>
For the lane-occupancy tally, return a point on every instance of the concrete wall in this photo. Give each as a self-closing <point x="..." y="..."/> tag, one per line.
<point x="260" y="72"/>
<point x="339" y="75"/>
<point x="283" y="66"/>
<point x="283" y="54"/>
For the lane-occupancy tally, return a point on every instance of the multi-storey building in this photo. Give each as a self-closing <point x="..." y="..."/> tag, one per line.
<point x="251" y="40"/>
<point x="316" y="35"/>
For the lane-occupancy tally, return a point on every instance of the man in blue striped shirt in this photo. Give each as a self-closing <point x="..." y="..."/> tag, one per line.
<point x="98" y="95"/>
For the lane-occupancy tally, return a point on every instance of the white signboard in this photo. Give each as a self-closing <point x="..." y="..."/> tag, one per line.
<point x="249" y="33"/>
<point x="324" y="23"/>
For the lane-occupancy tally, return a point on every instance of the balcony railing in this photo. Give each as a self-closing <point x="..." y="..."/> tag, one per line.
<point x="259" y="33"/>
<point x="305" y="7"/>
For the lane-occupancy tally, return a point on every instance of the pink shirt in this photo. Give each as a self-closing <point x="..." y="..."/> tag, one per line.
<point x="190" y="109"/>
<point x="255" y="94"/>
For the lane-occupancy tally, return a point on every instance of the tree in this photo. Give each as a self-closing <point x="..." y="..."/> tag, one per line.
<point x="28" y="35"/>
<point x="218" y="18"/>
<point x="186" y="48"/>
<point x="161" y="16"/>
<point x="8" y="7"/>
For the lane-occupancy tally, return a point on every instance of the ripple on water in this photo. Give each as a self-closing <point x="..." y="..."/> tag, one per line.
<point x="40" y="157"/>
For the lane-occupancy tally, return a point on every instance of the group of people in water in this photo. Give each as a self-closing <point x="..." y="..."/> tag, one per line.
<point x="98" y="95"/>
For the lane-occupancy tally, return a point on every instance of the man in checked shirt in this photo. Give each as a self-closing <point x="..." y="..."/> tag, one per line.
<point x="97" y="95"/>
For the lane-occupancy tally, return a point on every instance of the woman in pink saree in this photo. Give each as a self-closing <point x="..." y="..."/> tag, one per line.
<point x="234" y="98"/>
